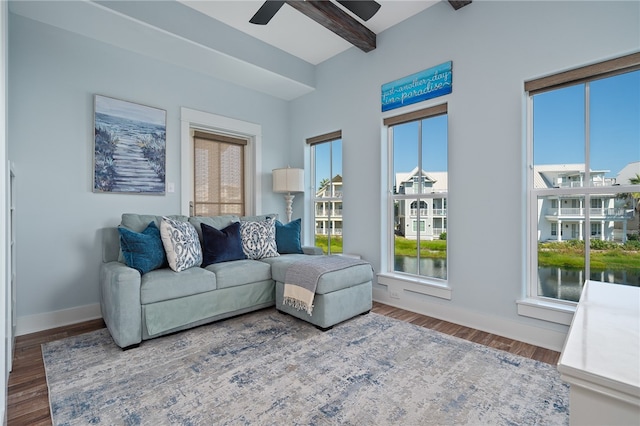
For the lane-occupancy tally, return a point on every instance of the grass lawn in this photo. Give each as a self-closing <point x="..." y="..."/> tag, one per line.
<point x="566" y="255"/>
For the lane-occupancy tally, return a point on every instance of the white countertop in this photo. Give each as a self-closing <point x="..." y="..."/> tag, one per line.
<point x="602" y="350"/>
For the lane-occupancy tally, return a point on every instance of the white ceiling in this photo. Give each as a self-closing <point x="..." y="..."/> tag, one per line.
<point x="182" y="32"/>
<point x="295" y="33"/>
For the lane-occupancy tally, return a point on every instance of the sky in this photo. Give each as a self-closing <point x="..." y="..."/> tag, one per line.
<point x="324" y="168"/>
<point x="434" y="145"/>
<point x="559" y="129"/>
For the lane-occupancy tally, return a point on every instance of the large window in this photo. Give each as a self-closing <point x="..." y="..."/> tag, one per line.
<point x="218" y="174"/>
<point x="326" y="175"/>
<point x="584" y="179"/>
<point x="419" y="189"/>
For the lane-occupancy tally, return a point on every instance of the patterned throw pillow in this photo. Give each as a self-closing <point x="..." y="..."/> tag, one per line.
<point x="259" y="238"/>
<point x="181" y="244"/>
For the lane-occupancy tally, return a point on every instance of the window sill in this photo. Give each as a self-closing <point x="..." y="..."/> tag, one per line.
<point x="415" y="285"/>
<point x="546" y="310"/>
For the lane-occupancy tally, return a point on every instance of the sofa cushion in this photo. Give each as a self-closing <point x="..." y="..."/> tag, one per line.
<point x="239" y="272"/>
<point x="259" y="238"/>
<point x="221" y="245"/>
<point x="259" y="217"/>
<point x="218" y="222"/>
<point x="181" y="244"/>
<point x="165" y="284"/>
<point x="139" y="222"/>
<point x="142" y="251"/>
<point x="344" y="278"/>
<point x="280" y="264"/>
<point x="328" y="282"/>
<point x="288" y="237"/>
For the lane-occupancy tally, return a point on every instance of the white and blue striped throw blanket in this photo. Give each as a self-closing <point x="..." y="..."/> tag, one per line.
<point x="301" y="278"/>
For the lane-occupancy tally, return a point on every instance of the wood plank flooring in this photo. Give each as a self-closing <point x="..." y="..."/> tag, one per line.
<point x="28" y="399"/>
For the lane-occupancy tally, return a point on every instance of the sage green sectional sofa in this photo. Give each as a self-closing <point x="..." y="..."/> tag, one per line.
<point x="139" y="306"/>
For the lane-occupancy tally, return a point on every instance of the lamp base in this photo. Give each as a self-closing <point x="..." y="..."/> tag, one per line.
<point x="289" y="201"/>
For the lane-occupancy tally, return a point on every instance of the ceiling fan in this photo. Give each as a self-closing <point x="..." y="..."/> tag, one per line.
<point x="332" y="17"/>
<point x="363" y="9"/>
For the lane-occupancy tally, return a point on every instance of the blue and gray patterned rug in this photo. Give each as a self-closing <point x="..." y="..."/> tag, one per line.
<point x="266" y="368"/>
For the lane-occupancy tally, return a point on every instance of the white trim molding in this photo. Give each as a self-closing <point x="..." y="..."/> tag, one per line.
<point x="551" y="311"/>
<point x="48" y="320"/>
<point x="409" y="283"/>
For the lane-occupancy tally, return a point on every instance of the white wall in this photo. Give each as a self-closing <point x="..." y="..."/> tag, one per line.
<point x="4" y="278"/>
<point x="495" y="47"/>
<point x="53" y="75"/>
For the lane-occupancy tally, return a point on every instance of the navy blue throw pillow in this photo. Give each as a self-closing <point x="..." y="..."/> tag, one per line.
<point x="142" y="250"/>
<point x="221" y="245"/>
<point x="288" y="237"/>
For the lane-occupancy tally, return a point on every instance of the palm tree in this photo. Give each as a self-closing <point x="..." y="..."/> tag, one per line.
<point x="323" y="183"/>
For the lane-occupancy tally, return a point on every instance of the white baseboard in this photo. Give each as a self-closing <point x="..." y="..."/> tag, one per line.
<point x="542" y="337"/>
<point x="545" y="338"/>
<point x="34" y="323"/>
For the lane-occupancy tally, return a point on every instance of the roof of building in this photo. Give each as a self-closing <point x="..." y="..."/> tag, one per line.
<point x="628" y="172"/>
<point x="440" y="179"/>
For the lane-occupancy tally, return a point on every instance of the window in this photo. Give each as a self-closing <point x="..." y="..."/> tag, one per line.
<point x="191" y="120"/>
<point x="326" y="175"/>
<point x="218" y="174"/>
<point x="418" y="193"/>
<point x="584" y="179"/>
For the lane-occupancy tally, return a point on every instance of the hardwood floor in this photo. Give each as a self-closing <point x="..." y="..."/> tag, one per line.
<point x="28" y="399"/>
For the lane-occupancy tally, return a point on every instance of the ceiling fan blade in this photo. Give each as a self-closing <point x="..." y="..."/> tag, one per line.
<point x="361" y="8"/>
<point x="266" y="12"/>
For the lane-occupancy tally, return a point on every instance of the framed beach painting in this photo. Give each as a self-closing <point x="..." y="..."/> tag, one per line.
<point x="129" y="147"/>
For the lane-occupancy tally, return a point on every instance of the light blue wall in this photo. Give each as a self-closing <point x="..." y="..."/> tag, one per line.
<point x="53" y="76"/>
<point x="495" y="47"/>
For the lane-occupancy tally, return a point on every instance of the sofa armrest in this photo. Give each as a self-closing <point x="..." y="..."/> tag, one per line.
<point x="312" y="250"/>
<point x="120" y="303"/>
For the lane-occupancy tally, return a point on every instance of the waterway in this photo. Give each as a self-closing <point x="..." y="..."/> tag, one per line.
<point x="553" y="282"/>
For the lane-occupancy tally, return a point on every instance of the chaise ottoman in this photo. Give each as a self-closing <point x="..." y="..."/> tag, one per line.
<point x="339" y="294"/>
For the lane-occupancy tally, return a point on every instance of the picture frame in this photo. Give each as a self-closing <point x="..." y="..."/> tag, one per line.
<point x="129" y="147"/>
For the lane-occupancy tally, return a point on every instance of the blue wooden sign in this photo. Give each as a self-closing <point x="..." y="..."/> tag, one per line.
<point x="417" y="87"/>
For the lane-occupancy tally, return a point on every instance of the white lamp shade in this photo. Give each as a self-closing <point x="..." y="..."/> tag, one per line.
<point x="288" y="180"/>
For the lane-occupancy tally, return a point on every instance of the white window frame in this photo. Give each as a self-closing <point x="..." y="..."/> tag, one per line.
<point x="533" y="305"/>
<point x="330" y="201"/>
<point x="391" y="279"/>
<point x="194" y="119"/>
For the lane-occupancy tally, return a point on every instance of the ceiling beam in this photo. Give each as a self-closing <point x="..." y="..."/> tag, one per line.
<point x="335" y="19"/>
<point x="457" y="4"/>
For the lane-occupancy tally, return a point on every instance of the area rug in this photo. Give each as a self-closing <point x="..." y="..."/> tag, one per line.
<point x="266" y="368"/>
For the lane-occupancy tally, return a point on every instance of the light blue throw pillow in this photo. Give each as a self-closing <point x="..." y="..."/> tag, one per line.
<point x="142" y="251"/>
<point x="288" y="237"/>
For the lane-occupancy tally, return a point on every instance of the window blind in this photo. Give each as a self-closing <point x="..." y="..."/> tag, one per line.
<point x="603" y="69"/>
<point x="325" y="138"/>
<point x="218" y="174"/>
<point x="416" y="115"/>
